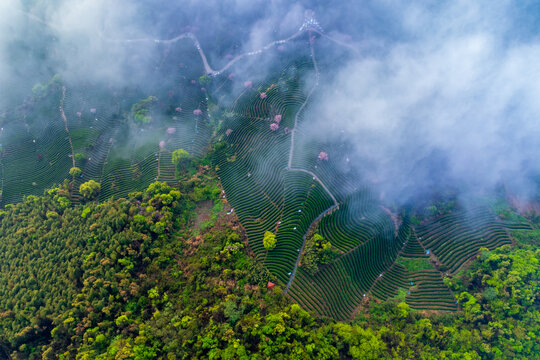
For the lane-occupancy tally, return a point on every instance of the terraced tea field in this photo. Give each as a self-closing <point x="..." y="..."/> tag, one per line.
<point x="280" y="184"/>
<point x="40" y="143"/>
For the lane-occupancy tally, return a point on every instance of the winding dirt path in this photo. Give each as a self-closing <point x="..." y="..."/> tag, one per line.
<point x="293" y="132"/>
<point x="315" y="177"/>
<point x="61" y="107"/>
<point x="304" y="239"/>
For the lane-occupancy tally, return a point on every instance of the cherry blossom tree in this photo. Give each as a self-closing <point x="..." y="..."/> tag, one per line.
<point x="323" y="156"/>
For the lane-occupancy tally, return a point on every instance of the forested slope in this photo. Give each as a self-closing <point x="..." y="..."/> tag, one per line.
<point x="166" y="273"/>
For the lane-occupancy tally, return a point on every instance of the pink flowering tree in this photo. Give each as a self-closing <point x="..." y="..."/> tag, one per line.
<point x="274" y="126"/>
<point x="323" y="156"/>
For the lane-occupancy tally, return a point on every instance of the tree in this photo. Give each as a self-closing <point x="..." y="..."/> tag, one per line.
<point x="205" y="80"/>
<point x="269" y="240"/>
<point x="141" y="110"/>
<point x="181" y="158"/>
<point x="75" y="171"/>
<point x="80" y="158"/>
<point x="317" y="252"/>
<point x="179" y="155"/>
<point x="90" y="189"/>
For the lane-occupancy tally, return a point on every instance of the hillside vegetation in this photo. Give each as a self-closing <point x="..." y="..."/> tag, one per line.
<point x="152" y="276"/>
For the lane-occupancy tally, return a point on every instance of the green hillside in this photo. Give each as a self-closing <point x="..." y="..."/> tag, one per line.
<point x="168" y="273"/>
<point x="203" y="216"/>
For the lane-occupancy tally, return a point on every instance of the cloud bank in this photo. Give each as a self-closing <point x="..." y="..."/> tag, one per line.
<point x="452" y="101"/>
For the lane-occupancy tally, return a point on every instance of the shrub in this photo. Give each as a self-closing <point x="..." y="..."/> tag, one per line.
<point x="269" y="240"/>
<point x="90" y="189"/>
<point x="75" y="171"/>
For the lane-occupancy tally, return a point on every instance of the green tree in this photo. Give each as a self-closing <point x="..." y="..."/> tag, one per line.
<point x="90" y="189"/>
<point x="141" y="110"/>
<point x="80" y="157"/>
<point x="205" y="80"/>
<point x="269" y="240"/>
<point x="75" y="171"/>
<point x="317" y="252"/>
<point x="181" y="158"/>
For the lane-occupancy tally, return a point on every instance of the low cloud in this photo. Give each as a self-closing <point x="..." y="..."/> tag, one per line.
<point x="454" y="101"/>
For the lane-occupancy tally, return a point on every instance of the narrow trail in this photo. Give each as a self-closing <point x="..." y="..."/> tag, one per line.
<point x="207" y="68"/>
<point x="433" y="256"/>
<point x="315" y="177"/>
<point x="398" y="254"/>
<point x="379" y="278"/>
<point x="310" y="25"/>
<point x="293" y="132"/>
<point x="304" y="238"/>
<point x="393" y="217"/>
<point x="61" y="107"/>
